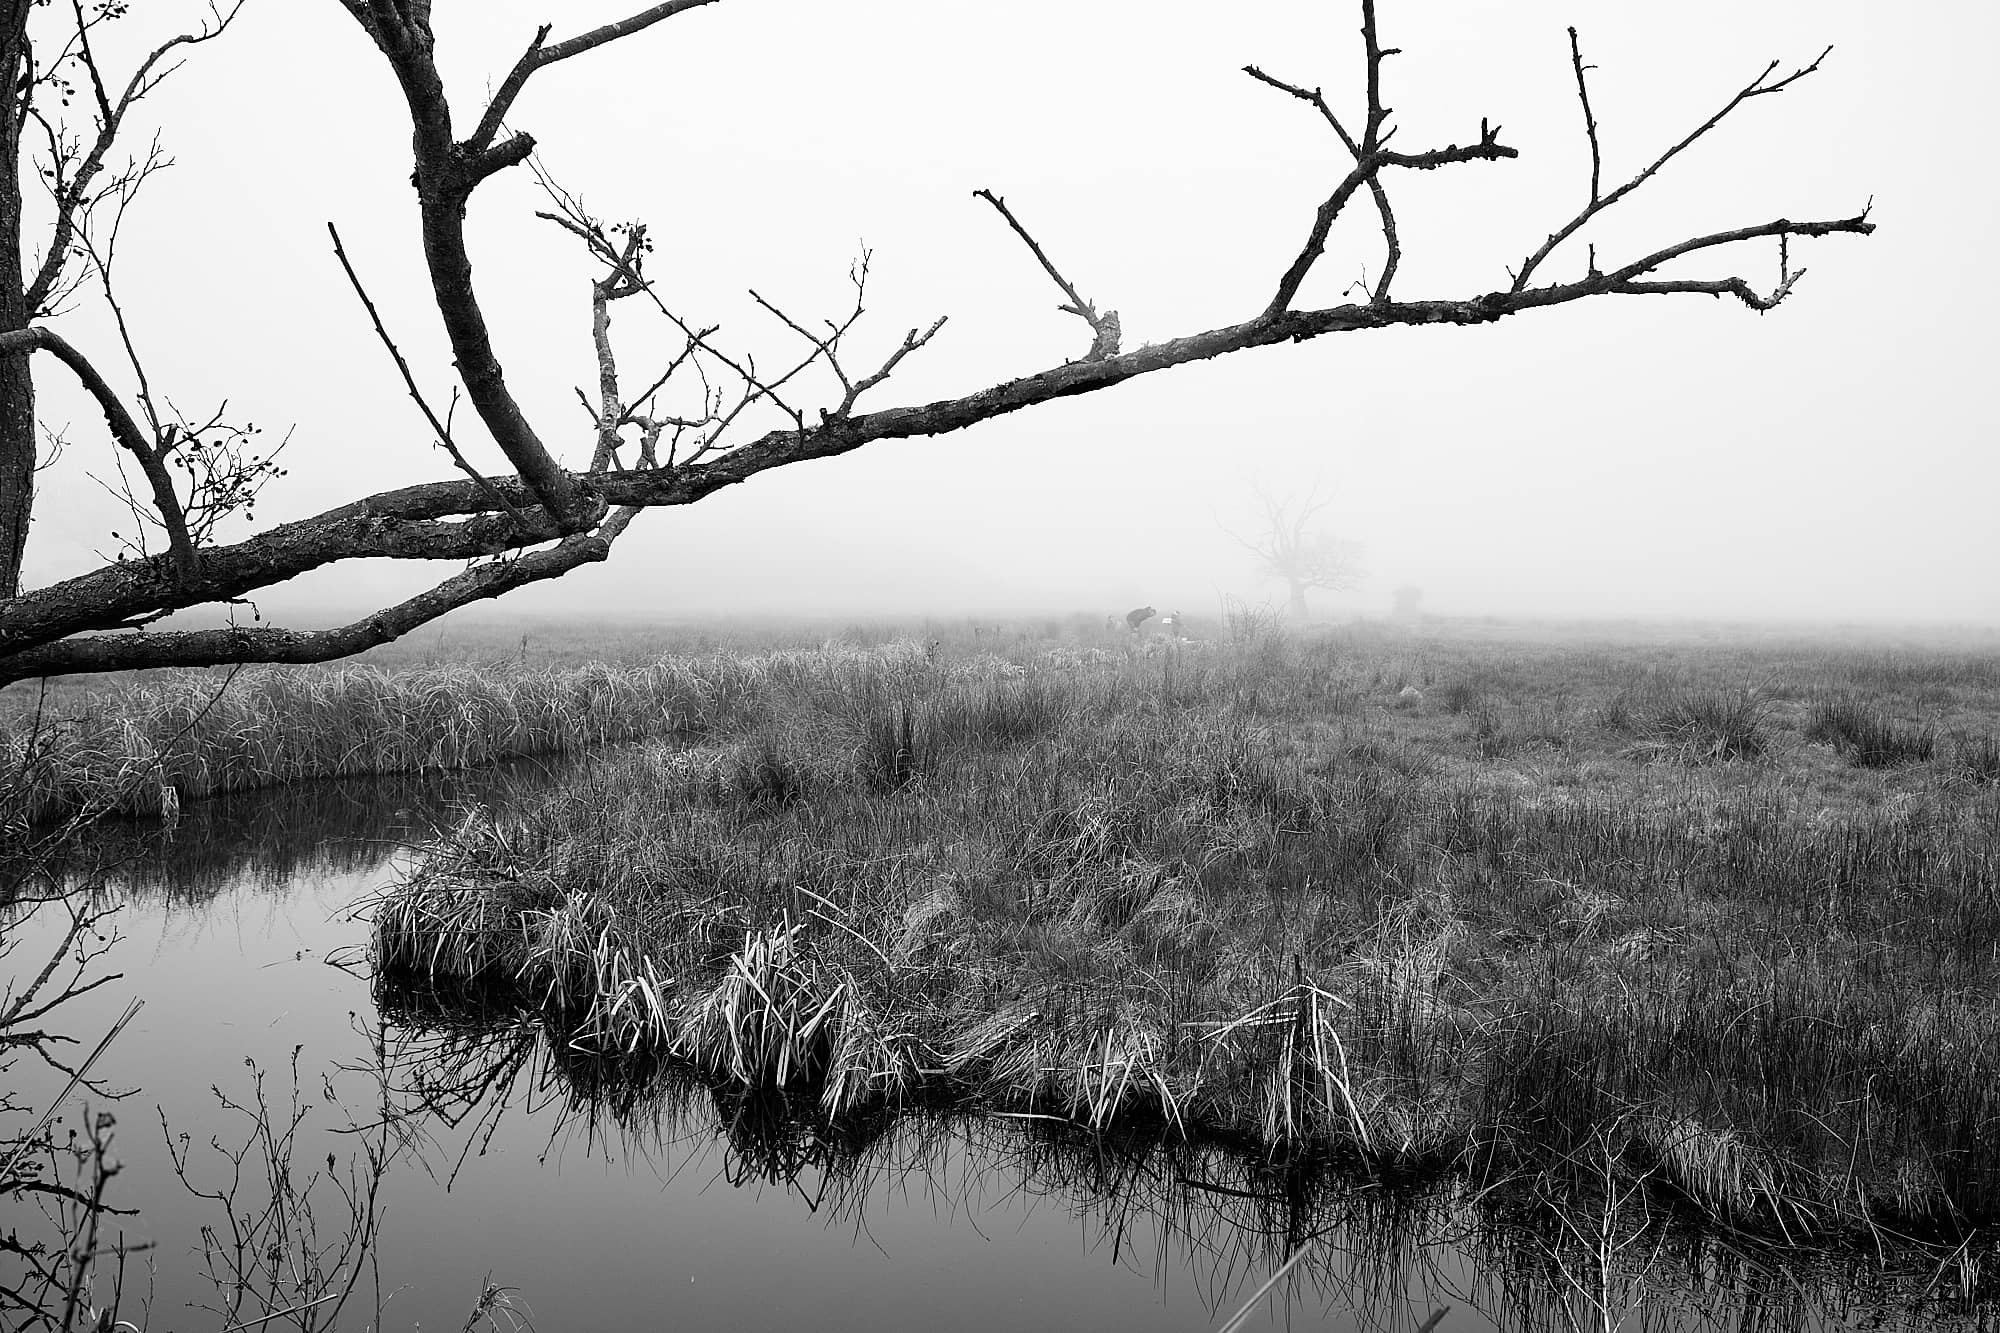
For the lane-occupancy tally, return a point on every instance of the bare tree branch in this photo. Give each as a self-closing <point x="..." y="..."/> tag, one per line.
<point x="1589" y="119"/>
<point x="214" y="647"/>
<point x="539" y="520"/>
<point x="408" y="523"/>
<point x="539" y="56"/>
<point x="445" y="178"/>
<point x="72" y="192"/>
<point x="1757" y="87"/>
<point x="151" y="452"/>
<point x="1370" y="156"/>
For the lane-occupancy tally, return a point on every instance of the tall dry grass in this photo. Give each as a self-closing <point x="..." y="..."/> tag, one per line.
<point x="182" y="737"/>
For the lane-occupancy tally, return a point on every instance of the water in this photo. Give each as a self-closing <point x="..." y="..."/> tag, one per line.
<point x="643" y="1201"/>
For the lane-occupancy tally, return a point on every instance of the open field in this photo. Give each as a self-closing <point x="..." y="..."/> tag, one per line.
<point x="1714" y="924"/>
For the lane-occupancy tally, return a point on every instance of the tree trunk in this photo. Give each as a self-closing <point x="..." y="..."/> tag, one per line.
<point x="17" y="388"/>
<point x="1298" y="607"/>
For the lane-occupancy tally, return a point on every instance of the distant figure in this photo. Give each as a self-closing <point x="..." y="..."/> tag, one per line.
<point x="1138" y="617"/>
<point x="1171" y="623"/>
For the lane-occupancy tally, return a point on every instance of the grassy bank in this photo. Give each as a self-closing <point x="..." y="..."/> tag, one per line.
<point x="183" y="737"/>
<point x="1516" y="911"/>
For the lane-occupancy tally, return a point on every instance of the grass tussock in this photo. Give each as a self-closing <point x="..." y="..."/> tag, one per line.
<point x="1869" y="738"/>
<point x="1706" y="726"/>
<point x="1239" y="891"/>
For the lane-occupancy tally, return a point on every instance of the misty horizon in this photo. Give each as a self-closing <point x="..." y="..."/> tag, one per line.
<point x="1663" y="457"/>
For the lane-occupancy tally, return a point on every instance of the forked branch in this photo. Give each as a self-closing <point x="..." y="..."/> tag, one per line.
<point x="1370" y="154"/>
<point x="1757" y="87"/>
<point x="1104" y="328"/>
<point x="150" y="451"/>
<point x="540" y="55"/>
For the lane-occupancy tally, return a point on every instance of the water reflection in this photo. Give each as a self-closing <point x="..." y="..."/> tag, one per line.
<point x="636" y="1193"/>
<point x="269" y="840"/>
<point x="1375" y="1253"/>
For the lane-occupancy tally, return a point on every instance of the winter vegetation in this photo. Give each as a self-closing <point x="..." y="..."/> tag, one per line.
<point x="1716" y="917"/>
<point x="1573" y="912"/>
<point x="1693" y="926"/>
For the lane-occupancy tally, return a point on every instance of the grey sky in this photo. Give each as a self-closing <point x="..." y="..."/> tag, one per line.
<point x="1623" y="456"/>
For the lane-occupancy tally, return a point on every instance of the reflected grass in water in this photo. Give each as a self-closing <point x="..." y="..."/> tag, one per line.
<point x="1520" y="1255"/>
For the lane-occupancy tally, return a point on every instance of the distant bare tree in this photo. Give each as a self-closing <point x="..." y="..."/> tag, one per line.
<point x="1291" y="549"/>
<point x="674" y="435"/>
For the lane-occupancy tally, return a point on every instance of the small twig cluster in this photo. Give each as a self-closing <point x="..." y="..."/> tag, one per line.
<point x="726" y="385"/>
<point x="218" y="470"/>
<point x="269" y="1258"/>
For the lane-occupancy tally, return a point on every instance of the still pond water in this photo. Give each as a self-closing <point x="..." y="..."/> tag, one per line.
<point x="652" y="1205"/>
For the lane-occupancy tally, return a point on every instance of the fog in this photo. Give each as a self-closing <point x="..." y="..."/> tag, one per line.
<point x="1625" y="456"/>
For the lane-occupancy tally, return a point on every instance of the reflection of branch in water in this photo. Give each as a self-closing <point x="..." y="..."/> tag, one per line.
<point x="453" y="1062"/>
<point x="57" y="1283"/>
<point x="273" y="1256"/>
<point x="290" y="1256"/>
<point x="1392" y="1252"/>
<point x="55" y="1189"/>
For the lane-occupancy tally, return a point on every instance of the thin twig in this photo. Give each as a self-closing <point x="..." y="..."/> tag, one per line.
<point x="1589" y="119"/>
<point x="442" y="431"/>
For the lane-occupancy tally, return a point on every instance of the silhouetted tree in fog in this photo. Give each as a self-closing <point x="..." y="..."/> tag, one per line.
<point x="1290" y="549"/>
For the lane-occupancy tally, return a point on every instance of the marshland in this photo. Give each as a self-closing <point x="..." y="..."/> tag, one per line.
<point x="1527" y="975"/>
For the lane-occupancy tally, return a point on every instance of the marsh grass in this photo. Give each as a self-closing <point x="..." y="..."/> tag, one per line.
<point x="1459" y="696"/>
<point x="1229" y="889"/>
<point x="1978" y="757"/>
<point x="190" y="737"/>
<point x="1869" y="738"/>
<point x="1243" y="893"/>
<point x="890" y="755"/>
<point x="763" y="775"/>
<point x="277" y="725"/>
